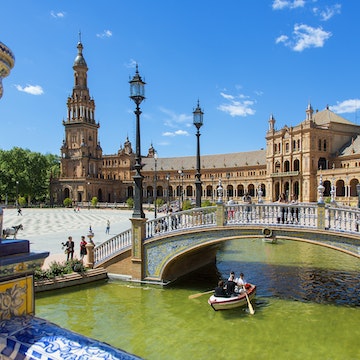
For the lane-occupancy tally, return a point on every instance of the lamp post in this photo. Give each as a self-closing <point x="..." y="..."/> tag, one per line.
<point x="181" y="185"/>
<point x="212" y="188"/>
<point x="227" y="188"/>
<point x="17" y="193"/>
<point x="88" y="194"/>
<point x="167" y="193"/>
<point x="198" y="122"/>
<point x="358" y="193"/>
<point x="155" y="184"/>
<point x="137" y="92"/>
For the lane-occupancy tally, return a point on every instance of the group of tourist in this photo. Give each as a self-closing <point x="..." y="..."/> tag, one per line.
<point x="232" y="287"/>
<point x="284" y="216"/>
<point x="70" y="248"/>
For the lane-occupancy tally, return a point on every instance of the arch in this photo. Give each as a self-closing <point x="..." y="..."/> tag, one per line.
<point x="159" y="191"/>
<point x="296" y="165"/>
<point x="240" y="190"/>
<point x="287" y="190"/>
<point x="340" y="188"/>
<point x="189" y="191"/>
<point x="286" y="165"/>
<point x="353" y="184"/>
<point x="130" y="192"/>
<point x="66" y="193"/>
<point x="322" y="163"/>
<point x="230" y="191"/>
<point x="296" y="189"/>
<point x="327" y="186"/>
<point x="251" y="190"/>
<point x="100" y="195"/>
<point x="263" y="189"/>
<point x="209" y="189"/>
<point x="277" y="167"/>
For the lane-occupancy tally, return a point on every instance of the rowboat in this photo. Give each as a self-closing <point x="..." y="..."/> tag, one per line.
<point x="225" y="303"/>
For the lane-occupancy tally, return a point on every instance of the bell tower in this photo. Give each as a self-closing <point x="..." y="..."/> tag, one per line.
<point x="81" y="153"/>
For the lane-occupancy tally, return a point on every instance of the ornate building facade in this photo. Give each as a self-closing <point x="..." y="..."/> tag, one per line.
<point x="323" y="146"/>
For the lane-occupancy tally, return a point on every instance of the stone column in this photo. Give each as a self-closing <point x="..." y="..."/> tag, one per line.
<point x="220" y="214"/>
<point x="137" y="251"/>
<point x="89" y="259"/>
<point x="321" y="216"/>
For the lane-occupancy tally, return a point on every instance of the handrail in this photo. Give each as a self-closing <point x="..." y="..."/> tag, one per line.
<point x="113" y="246"/>
<point x="274" y="214"/>
<point x="193" y="218"/>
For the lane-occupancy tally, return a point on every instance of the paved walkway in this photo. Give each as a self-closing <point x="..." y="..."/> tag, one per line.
<point x="48" y="228"/>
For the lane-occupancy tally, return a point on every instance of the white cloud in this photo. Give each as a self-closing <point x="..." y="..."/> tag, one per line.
<point x="173" y="120"/>
<point x="304" y="37"/>
<point x="104" y="34"/>
<point x="328" y="12"/>
<point x="282" y="39"/>
<point x="282" y="4"/>
<point x="346" y="106"/>
<point x="131" y="64"/>
<point x="237" y="105"/>
<point x="175" y="133"/>
<point x="57" y="15"/>
<point x="31" y="89"/>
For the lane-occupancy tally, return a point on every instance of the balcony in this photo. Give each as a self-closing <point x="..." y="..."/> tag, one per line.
<point x="285" y="174"/>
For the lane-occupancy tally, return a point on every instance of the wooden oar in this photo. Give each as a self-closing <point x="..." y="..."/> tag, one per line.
<point x="193" y="296"/>
<point x="251" y="309"/>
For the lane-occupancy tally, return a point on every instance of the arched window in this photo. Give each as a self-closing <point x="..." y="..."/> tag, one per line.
<point x="322" y="163"/>
<point x="286" y="166"/>
<point x="296" y="165"/>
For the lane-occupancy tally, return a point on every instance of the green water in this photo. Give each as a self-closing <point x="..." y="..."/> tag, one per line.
<point x="307" y="307"/>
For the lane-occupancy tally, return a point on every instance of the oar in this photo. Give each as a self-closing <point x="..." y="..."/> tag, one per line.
<point x="251" y="310"/>
<point x="193" y="296"/>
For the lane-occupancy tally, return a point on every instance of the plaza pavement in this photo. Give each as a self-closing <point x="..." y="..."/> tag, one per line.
<point x="46" y="229"/>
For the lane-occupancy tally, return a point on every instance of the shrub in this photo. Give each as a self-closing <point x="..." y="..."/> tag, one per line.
<point x="94" y="201"/>
<point x="130" y="203"/>
<point x="186" y="205"/>
<point x="59" y="269"/>
<point x="67" y="202"/>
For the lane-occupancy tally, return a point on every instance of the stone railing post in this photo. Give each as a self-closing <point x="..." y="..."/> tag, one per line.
<point x="220" y="214"/>
<point x="89" y="259"/>
<point x="137" y="251"/>
<point x="321" y="216"/>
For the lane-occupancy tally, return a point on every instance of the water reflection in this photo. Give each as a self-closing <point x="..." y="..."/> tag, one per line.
<point x="305" y="292"/>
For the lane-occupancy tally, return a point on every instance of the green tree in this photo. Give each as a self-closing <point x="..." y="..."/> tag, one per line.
<point x="94" y="201"/>
<point x="67" y="202"/>
<point x="130" y="203"/>
<point x="26" y="174"/>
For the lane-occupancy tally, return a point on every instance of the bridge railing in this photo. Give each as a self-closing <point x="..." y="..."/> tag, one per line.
<point x="272" y="214"/>
<point x="187" y="219"/>
<point x="112" y="246"/>
<point x="342" y="219"/>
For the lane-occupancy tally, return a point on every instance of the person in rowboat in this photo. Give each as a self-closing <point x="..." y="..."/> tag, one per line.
<point x="230" y="285"/>
<point x="241" y="283"/>
<point x="220" y="290"/>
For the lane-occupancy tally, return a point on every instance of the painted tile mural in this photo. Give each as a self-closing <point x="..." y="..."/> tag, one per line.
<point x="16" y="298"/>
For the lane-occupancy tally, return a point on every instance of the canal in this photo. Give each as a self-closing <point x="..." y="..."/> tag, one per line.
<point x="307" y="306"/>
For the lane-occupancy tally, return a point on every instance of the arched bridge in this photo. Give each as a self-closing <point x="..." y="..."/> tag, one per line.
<point x="165" y="248"/>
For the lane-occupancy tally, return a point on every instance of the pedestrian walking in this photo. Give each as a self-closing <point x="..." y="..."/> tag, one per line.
<point x="107" y="231"/>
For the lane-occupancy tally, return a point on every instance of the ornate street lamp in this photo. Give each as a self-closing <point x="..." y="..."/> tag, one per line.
<point x="227" y="188"/>
<point x="198" y="122"/>
<point x="212" y="188"/>
<point x="17" y="193"/>
<point x="181" y="185"/>
<point x="168" y="190"/>
<point x="155" y="184"/>
<point x="137" y="92"/>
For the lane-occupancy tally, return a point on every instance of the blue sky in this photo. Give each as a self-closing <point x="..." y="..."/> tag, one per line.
<point x="243" y="59"/>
